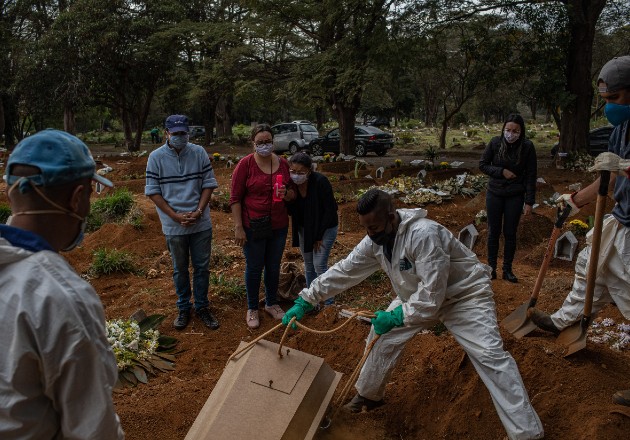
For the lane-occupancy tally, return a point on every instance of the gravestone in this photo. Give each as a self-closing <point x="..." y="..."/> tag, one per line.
<point x="565" y="246"/>
<point x="468" y="236"/>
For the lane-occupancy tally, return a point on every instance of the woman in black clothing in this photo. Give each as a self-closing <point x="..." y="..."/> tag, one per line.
<point x="314" y="216"/>
<point x="510" y="161"/>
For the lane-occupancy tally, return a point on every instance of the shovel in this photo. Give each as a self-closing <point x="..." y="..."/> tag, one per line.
<point x="574" y="337"/>
<point x="517" y="322"/>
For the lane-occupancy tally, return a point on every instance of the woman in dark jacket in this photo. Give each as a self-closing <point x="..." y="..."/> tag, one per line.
<point x="510" y="161"/>
<point x="314" y="216"/>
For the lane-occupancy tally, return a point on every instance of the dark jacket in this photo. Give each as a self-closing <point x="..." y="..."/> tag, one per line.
<point x="525" y="170"/>
<point x="318" y="211"/>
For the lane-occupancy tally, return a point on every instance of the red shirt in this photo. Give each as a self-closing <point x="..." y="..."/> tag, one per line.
<point x="252" y="187"/>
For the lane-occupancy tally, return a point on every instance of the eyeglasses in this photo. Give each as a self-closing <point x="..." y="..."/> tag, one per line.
<point x="263" y="142"/>
<point x="299" y="173"/>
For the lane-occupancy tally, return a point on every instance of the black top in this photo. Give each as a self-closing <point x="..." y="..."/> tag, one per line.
<point x="315" y="213"/>
<point x="525" y="169"/>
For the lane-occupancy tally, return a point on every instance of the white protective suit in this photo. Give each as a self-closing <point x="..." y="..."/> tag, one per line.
<point x="436" y="278"/>
<point x="57" y="369"/>
<point x="612" y="283"/>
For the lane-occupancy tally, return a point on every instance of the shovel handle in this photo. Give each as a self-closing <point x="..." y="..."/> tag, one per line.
<point x="602" y="193"/>
<point x="557" y="228"/>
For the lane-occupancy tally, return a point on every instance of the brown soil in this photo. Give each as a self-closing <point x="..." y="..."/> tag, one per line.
<point x="434" y="391"/>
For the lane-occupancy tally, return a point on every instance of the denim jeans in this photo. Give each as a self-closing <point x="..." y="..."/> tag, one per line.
<point x="316" y="262"/>
<point x="504" y="213"/>
<point x="197" y="246"/>
<point x="267" y="255"/>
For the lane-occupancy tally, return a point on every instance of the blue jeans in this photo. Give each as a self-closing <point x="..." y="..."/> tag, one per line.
<point x="316" y="262"/>
<point x="504" y="214"/>
<point x="197" y="246"/>
<point x="267" y="255"/>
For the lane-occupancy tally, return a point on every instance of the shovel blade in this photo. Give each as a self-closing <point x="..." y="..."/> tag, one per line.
<point x="517" y="319"/>
<point x="525" y="329"/>
<point x="573" y="338"/>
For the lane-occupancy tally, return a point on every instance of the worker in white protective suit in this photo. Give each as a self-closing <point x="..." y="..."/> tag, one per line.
<point x="612" y="283"/>
<point x="436" y="279"/>
<point x="57" y="368"/>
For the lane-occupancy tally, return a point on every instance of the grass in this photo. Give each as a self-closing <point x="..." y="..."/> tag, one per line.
<point x="228" y="288"/>
<point x="5" y="212"/>
<point x="110" y="209"/>
<point x="219" y="258"/>
<point x="108" y="261"/>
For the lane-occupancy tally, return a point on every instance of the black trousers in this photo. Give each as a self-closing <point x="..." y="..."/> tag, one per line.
<point x="504" y="213"/>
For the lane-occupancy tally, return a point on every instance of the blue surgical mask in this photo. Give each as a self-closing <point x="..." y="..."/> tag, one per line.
<point x="178" y="141"/>
<point x="617" y="114"/>
<point x="264" y="150"/>
<point x="510" y="137"/>
<point x="299" y="179"/>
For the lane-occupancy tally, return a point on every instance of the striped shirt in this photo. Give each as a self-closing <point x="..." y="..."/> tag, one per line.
<point x="180" y="179"/>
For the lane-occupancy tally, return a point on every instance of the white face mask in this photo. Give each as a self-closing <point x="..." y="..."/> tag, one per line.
<point x="60" y="210"/>
<point x="264" y="150"/>
<point x="510" y="137"/>
<point x="299" y="179"/>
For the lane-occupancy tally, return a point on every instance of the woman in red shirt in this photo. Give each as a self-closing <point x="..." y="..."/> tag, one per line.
<point x="261" y="223"/>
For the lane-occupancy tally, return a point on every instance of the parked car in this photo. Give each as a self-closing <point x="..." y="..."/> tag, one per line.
<point x="366" y="139"/>
<point x="597" y="141"/>
<point x="293" y="136"/>
<point x="196" y="131"/>
<point x="378" y="121"/>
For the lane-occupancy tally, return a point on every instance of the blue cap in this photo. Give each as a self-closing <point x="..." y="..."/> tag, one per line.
<point x="175" y="123"/>
<point x="60" y="157"/>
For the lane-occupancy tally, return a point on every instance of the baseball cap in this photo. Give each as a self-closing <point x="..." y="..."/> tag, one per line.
<point x="60" y="157"/>
<point x="616" y="74"/>
<point x="175" y="123"/>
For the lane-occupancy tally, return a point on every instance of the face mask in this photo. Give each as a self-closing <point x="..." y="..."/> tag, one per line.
<point x="617" y="114"/>
<point x="299" y="179"/>
<point x="178" y="141"/>
<point x="381" y="238"/>
<point x="60" y="210"/>
<point x="264" y="149"/>
<point x="510" y="137"/>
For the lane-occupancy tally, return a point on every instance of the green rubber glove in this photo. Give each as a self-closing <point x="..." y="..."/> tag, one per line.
<point x="385" y="321"/>
<point x="297" y="311"/>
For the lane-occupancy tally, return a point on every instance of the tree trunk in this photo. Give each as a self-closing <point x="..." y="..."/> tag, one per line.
<point x="224" y="116"/>
<point x="1" y="117"/>
<point x="10" y="121"/>
<point x="574" y="124"/>
<point x="127" y="130"/>
<point x="346" y="116"/>
<point x="533" y="106"/>
<point x="141" y="119"/>
<point x="320" y="116"/>
<point x="68" y="118"/>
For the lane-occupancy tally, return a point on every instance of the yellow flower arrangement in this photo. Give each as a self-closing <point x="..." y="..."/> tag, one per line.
<point x="398" y="163"/>
<point x="578" y="227"/>
<point x="216" y="156"/>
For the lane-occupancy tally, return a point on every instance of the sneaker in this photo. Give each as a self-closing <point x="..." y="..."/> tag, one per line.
<point x="275" y="311"/>
<point x="208" y="319"/>
<point x="622" y="397"/>
<point x="252" y="319"/>
<point x="543" y="321"/>
<point x="509" y="276"/>
<point x="182" y="320"/>
<point x="359" y="404"/>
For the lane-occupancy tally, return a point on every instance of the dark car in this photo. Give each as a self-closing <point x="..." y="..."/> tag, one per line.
<point x="196" y="131"/>
<point x="378" y="121"/>
<point x="597" y="141"/>
<point x="366" y="139"/>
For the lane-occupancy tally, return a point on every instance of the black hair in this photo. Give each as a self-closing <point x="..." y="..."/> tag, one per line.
<point x="259" y="129"/>
<point x="375" y="200"/>
<point x="503" y="151"/>
<point x="303" y="159"/>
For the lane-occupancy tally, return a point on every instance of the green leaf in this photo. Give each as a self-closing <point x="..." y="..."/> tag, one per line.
<point x="139" y="373"/>
<point x="161" y="364"/>
<point x="146" y="365"/>
<point x="130" y="377"/>
<point x="166" y="342"/>
<point x="150" y="322"/>
<point x="168" y="357"/>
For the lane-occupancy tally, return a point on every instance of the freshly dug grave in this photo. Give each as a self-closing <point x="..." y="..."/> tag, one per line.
<point x="434" y="391"/>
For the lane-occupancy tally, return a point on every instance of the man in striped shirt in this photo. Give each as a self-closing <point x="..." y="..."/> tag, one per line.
<point x="180" y="181"/>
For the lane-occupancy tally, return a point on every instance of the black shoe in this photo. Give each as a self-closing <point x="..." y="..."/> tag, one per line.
<point x="182" y="320"/>
<point x="208" y="319"/>
<point x="622" y="397"/>
<point x="509" y="276"/>
<point x="359" y="404"/>
<point x="542" y="320"/>
<point x="494" y="274"/>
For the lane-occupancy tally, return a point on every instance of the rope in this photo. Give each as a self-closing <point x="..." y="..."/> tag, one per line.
<point x="355" y="374"/>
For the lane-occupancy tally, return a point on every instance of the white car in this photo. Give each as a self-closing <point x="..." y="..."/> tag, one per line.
<point x="293" y="136"/>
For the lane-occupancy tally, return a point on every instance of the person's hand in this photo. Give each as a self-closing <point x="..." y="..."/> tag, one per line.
<point x="508" y="174"/>
<point x="239" y="235"/>
<point x="608" y="161"/>
<point x="182" y="218"/>
<point x="567" y="200"/>
<point x="297" y="311"/>
<point x="317" y="245"/>
<point x="385" y="321"/>
<point x="527" y="210"/>
<point x="282" y="191"/>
